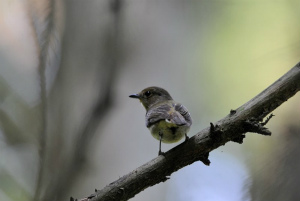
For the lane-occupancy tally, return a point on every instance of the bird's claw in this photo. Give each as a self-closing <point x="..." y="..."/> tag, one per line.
<point x="186" y="138"/>
<point x="160" y="153"/>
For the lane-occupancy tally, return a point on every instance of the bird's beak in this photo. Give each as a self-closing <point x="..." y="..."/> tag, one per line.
<point x="134" y="96"/>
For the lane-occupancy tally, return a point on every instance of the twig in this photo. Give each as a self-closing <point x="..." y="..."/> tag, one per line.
<point x="44" y="45"/>
<point x="230" y="128"/>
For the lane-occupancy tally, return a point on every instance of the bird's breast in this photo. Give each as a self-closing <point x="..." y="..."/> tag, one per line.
<point x="171" y="133"/>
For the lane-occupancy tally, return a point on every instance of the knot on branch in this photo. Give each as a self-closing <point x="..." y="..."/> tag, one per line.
<point x="204" y="159"/>
<point x="239" y="139"/>
<point x="216" y="132"/>
<point x="86" y="198"/>
<point x="232" y="112"/>
<point x="121" y="191"/>
<point x="255" y="126"/>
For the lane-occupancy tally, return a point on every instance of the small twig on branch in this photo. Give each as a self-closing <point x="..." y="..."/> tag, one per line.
<point x="233" y="127"/>
<point x="267" y="120"/>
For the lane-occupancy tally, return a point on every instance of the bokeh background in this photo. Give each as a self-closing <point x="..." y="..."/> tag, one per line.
<point x="75" y="129"/>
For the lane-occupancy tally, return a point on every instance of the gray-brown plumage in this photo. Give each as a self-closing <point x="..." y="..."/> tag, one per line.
<point x="167" y="120"/>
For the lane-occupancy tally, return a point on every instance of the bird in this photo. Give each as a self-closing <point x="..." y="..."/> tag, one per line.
<point x="167" y="120"/>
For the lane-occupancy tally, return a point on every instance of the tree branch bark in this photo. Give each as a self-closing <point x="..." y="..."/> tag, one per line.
<point x="247" y="118"/>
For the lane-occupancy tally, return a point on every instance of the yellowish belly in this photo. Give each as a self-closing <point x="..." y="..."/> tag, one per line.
<point x="170" y="132"/>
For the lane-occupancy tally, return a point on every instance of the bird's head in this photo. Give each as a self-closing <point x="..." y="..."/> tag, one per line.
<point x="151" y="96"/>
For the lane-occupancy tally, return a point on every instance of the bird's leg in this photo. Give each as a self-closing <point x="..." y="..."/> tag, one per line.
<point x="160" y="138"/>
<point x="186" y="138"/>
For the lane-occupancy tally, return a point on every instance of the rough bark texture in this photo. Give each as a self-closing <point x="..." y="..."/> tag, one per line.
<point x="247" y="118"/>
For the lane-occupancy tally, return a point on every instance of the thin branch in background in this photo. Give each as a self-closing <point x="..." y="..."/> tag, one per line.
<point x="98" y="112"/>
<point x="229" y="128"/>
<point x="44" y="46"/>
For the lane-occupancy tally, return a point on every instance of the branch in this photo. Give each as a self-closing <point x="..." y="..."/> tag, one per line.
<point x="44" y="45"/>
<point x="247" y="118"/>
<point x="109" y="63"/>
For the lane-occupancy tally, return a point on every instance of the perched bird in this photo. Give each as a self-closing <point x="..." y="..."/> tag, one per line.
<point x="167" y="120"/>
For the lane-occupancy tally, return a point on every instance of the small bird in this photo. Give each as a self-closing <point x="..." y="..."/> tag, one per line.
<point x="167" y="120"/>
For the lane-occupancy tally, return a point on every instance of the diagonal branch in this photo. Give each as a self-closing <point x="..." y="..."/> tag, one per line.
<point x="247" y="118"/>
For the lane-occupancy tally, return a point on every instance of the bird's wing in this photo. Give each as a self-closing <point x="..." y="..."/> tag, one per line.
<point x="157" y="114"/>
<point x="184" y="113"/>
<point x="174" y="113"/>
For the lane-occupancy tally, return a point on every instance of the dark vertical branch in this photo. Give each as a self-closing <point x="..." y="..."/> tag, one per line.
<point x="44" y="44"/>
<point x="104" y="99"/>
<point x="107" y="74"/>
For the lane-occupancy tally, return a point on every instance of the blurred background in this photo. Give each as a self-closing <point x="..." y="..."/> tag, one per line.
<point x="67" y="67"/>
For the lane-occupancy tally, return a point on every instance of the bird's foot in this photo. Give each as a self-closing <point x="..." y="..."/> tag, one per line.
<point x="186" y="138"/>
<point x="161" y="153"/>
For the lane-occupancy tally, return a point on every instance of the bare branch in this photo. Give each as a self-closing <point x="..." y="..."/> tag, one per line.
<point x="231" y="128"/>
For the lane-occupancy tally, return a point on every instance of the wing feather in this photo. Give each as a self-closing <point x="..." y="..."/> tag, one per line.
<point x="157" y="114"/>
<point x="173" y="112"/>
<point x="184" y="112"/>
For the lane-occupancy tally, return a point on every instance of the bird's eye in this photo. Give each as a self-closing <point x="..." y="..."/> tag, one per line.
<point x="147" y="93"/>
